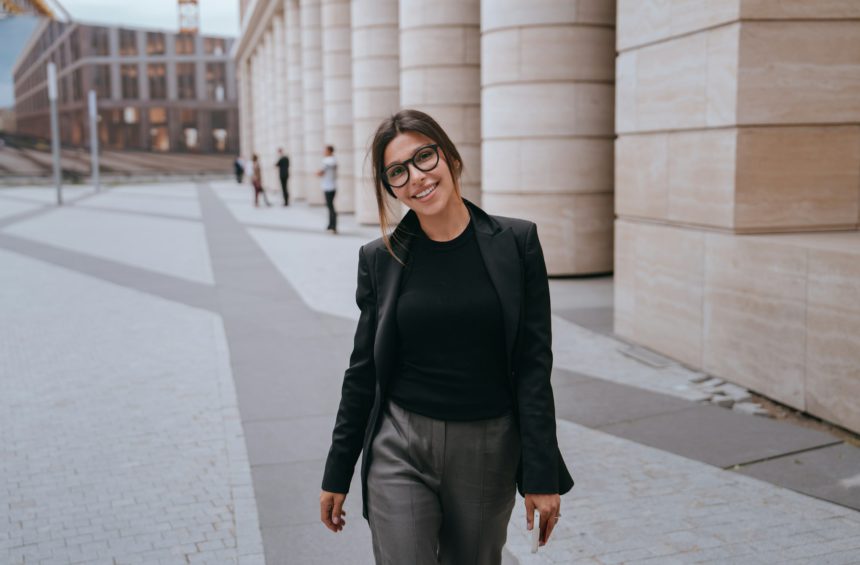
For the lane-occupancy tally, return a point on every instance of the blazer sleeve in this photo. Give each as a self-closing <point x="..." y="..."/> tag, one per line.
<point x="358" y="391"/>
<point x="532" y="370"/>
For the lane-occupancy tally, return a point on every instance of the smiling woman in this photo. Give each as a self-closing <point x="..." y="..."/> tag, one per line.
<point x="448" y="390"/>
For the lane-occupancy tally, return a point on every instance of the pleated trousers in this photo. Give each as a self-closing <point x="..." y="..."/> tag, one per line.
<point x="441" y="492"/>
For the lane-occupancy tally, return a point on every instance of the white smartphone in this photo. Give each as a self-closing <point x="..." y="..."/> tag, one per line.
<point x="536" y="532"/>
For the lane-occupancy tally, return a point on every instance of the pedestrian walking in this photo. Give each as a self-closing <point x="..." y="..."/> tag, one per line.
<point x="239" y="169"/>
<point x="448" y="392"/>
<point x="257" y="181"/>
<point x="328" y="172"/>
<point x="283" y="165"/>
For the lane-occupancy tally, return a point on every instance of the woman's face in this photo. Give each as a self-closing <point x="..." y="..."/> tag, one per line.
<point x="427" y="192"/>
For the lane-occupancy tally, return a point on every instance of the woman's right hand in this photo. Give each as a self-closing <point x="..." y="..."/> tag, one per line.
<point x="331" y="510"/>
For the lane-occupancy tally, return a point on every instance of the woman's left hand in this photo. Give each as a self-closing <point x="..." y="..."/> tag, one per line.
<point x="549" y="506"/>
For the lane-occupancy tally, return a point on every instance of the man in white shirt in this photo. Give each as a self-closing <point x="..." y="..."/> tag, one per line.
<point x="329" y="185"/>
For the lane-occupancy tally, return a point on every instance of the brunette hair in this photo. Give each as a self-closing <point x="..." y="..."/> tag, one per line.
<point x="391" y="127"/>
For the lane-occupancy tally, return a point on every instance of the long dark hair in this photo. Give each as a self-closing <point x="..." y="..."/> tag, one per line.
<point x="391" y="127"/>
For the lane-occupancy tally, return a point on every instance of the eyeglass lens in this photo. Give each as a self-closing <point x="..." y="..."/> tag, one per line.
<point x="425" y="159"/>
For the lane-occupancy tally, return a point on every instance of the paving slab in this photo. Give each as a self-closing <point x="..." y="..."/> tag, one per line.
<point x="597" y="319"/>
<point x="830" y="473"/>
<point x="595" y="402"/>
<point x="720" y="437"/>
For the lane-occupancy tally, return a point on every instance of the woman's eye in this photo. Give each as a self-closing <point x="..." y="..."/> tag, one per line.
<point x="424" y="155"/>
<point x="395" y="172"/>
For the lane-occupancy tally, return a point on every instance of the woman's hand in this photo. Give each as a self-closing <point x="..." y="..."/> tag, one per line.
<point x="331" y="510"/>
<point x="549" y="506"/>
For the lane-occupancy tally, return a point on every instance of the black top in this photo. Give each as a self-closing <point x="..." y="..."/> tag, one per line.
<point x="284" y="165"/>
<point x="451" y="334"/>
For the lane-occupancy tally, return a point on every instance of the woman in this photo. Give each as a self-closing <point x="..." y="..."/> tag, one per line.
<point x="257" y="181"/>
<point x="448" y="388"/>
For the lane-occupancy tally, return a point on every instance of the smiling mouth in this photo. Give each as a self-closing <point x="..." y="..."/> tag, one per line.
<point x="425" y="193"/>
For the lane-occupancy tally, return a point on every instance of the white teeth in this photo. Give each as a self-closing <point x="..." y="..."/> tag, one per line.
<point x="424" y="193"/>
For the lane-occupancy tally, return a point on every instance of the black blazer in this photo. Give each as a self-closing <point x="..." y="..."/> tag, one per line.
<point x="514" y="260"/>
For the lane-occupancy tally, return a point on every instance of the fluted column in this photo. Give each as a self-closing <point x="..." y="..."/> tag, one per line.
<point x="337" y="95"/>
<point x="298" y="175"/>
<point x="375" y="89"/>
<point x="547" y="103"/>
<point x="312" y="113"/>
<point x="246" y="114"/>
<point x="440" y="71"/>
<point x="268" y="150"/>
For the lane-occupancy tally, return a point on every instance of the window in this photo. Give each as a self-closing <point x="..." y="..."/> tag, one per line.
<point x="219" y="130"/>
<point x="101" y="81"/>
<point x="77" y="85"/>
<point x="129" y="81"/>
<point x="214" y="45"/>
<point x="127" y="42"/>
<point x="184" y="44"/>
<point x="185" y="81"/>
<point x="157" y="81"/>
<point x="188" y="139"/>
<point x="215" y="81"/>
<point x="75" y="44"/>
<point x="99" y="41"/>
<point x="158" y="135"/>
<point x="154" y="43"/>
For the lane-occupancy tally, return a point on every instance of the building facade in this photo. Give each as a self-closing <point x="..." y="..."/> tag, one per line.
<point x="706" y="153"/>
<point x="156" y="90"/>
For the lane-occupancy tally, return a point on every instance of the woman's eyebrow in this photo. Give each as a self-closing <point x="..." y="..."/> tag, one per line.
<point x="414" y="151"/>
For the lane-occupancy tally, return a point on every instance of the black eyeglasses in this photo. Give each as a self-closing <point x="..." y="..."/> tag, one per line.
<point x="424" y="159"/>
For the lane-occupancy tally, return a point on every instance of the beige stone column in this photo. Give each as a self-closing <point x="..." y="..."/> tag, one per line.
<point x="298" y="176"/>
<point x="337" y="95"/>
<point x="312" y="103"/>
<point x="246" y="114"/>
<point x="267" y="153"/>
<point x="440" y="70"/>
<point x="738" y="136"/>
<point x="547" y="77"/>
<point x="279" y="88"/>
<point x="375" y="89"/>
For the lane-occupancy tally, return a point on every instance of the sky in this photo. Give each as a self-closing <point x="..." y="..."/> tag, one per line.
<point x="217" y="17"/>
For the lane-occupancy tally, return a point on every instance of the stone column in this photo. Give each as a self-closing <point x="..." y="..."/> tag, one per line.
<point x="312" y="106"/>
<point x="337" y="95"/>
<point x="265" y="149"/>
<point x="547" y="114"/>
<point x="737" y="138"/>
<point x="440" y="73"/>
<point x="279" y="93"/>
<point x="375" y="89"/>
<point x="245" y="112"/>
<point x="298" y="177"/>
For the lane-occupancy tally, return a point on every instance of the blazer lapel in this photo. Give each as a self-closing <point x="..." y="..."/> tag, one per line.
<point x="502" y="260"/>
<point x="389" y="272"/>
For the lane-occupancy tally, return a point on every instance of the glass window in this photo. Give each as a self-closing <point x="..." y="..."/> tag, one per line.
<point x="77" y="85"/>
<point x="214" y="46"/>
<point x="185" y="81"/>
<point x="99" y="41"/>
<point x="157" y="81"/>
<point x="158" y="134"/>
<point x="101" y="81"/>
<point x="75" y="44"/>
<point x="127" y="42"/>
<point x="215" y="80"/>
<point x="184" y="44"/>
<point x="189" y="136"/>
<point x="129" y="81"/>
<point x="154" y="43"/>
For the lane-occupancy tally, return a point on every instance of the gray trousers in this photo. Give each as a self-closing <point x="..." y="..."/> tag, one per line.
<point x="441" y="492"/>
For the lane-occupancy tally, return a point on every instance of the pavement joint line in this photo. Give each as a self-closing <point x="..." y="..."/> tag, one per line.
<point x="161" y="285"/>
<point x="782" y="455"/>
<point x="111" y="210"/>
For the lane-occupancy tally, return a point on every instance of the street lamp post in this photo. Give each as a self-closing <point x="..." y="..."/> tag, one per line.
<point x="55" y="130"/>
<point x="94" y="140"/>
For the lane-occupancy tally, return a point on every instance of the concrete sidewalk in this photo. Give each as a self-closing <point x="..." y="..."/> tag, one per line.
<point x="143" y="325"/>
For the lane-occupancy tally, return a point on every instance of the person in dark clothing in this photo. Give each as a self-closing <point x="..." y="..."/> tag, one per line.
<point x="239" y="169"/>
<point x="283" y="165"/>
<point x="448" y="391"/>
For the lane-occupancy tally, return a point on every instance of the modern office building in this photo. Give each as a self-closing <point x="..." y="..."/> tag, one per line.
<point x="157" y="90"/>
<point x="706" y="153"/>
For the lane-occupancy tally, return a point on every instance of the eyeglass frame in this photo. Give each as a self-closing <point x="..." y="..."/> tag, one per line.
<point x="433" y="146"/>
